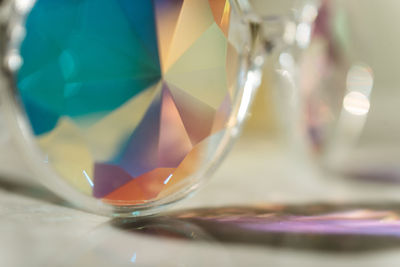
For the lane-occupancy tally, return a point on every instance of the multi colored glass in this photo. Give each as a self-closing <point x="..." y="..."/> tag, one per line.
<point x="127" y="98"/>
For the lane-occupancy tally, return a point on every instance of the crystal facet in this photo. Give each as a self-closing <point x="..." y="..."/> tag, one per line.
<point x="127" y="98"/>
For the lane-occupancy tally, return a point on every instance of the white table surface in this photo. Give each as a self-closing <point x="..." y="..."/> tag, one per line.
<point x="36" y="231"/>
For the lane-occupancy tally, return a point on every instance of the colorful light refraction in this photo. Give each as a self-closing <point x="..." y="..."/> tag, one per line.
<point x="125" y="97"/>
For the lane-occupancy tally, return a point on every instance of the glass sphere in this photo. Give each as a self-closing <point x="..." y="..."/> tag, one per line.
<point x="129" y="105"/>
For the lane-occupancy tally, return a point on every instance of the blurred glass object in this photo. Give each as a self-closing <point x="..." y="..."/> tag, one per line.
<point x="342" y="72"/>
<point x="263" y="115"/>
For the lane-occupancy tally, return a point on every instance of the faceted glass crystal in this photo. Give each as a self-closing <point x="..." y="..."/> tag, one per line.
<point x="127" y="99"/>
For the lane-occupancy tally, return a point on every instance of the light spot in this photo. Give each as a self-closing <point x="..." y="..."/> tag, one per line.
<point x="88" y="178"/>
<point x="286" y="61"/>
<point x="309" y="13"/>
<point x="24" y="6"/>
<point x="167" y="180"/>
<point x="136" y="213"/>
<point x="253" y="81"/>
<point x="133" y="259"/>
<point x="303" y="35"/>
<point x="356" y="103"/>
<point x="13" y="61"/>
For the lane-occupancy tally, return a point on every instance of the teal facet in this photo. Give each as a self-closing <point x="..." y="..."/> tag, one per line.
<point x="94" y="55"/>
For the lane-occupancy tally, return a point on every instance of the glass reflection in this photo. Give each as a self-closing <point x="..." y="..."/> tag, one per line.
<point x="302" y="227"/>
<point x="230" y="236"/>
